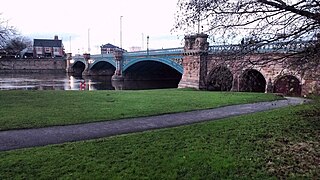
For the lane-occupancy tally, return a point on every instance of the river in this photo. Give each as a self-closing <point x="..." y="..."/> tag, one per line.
<point x="69" y="82"/>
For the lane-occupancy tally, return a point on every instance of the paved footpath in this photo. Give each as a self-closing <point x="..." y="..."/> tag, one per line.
<point x="16" y="139"/>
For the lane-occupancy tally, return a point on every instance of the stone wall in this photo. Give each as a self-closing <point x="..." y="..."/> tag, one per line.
<point x="206" y="71"/>
<point x="270" y="71"/>
<point x="32" y="65"/>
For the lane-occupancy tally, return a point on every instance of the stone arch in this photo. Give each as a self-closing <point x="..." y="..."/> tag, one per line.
<point x="102" y="64"/>
<point x="102" y="68"/>
<point x="287" y="85"/>
<point x="78" y="67"/>
<point x="220" y="79"/>
<point x="252" y="80"/>
<point x="151" y="70"/>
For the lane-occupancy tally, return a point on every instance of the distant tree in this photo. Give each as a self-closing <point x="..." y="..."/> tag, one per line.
<point x="6" y="32"/>
<point x="259" y="22"/>
<point x="16" y="44"/>
<point x="11" y="43"/>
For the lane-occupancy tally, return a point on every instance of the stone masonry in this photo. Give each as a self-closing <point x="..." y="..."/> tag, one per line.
<point x="32" y="65"/>
<point x="199" y="65"/>
<point x="195" y="62"/>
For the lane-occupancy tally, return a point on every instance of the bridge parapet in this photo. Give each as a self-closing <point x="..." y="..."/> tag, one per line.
<point x="275" y="47"/>
<point x="156" y="52"/>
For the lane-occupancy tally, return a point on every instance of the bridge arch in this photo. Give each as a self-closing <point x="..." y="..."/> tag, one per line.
<point x="168" y="62"/>
<point x="220" y="79"/>
<point x="252" y="80"/>
<point x="102" y="68"/>
<point x="78" y="67"/>
<point x="152" y="69"/>
<point x="97" y="61"/>
<point x="287" y="85"/>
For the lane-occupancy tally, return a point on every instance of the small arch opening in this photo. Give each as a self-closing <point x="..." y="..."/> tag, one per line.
<point x="102" y="68"/>
<point x="220" y="79"/>
<point x="288" y="85"/>
<point x="78" y="68"/>
<point x="252" y="80"/>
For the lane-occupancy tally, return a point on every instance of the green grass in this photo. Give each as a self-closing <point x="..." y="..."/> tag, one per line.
<point x="30" y="109"/>
<point x="277" y="144"/>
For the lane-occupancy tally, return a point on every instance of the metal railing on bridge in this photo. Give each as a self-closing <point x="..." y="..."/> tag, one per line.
<point x="156" y="52"/>
<point x="276" y="47"/>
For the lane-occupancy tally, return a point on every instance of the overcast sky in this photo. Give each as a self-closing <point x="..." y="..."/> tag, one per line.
<point x="73" y="18"/>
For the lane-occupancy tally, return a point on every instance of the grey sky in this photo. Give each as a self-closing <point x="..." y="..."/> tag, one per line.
<point x="73" y="18"/>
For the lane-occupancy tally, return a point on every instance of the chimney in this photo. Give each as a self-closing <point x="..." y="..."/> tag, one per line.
<point x="56" y="37"/>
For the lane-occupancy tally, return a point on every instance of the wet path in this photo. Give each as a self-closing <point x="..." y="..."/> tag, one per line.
<point x="16" y="139"/>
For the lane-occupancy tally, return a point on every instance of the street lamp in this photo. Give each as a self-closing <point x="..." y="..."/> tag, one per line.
<point x="198" y="12"/>
<point x="148" y="45"/>
<point x="121" y="32"/>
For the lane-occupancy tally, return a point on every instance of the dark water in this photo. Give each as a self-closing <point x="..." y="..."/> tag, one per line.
<point x="68" y="82"/>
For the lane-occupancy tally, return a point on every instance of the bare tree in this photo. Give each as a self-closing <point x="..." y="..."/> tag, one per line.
<point x="6" y="32"/>
<point x="256" y="23"/>
<point x="16" y="44"/>
<point x="11" y="43"/>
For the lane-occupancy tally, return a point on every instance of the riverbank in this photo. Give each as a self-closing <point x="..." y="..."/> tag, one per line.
<point x="277" y="144"/>
<point x="34" y="109"/>
<point x="16" y="139"/>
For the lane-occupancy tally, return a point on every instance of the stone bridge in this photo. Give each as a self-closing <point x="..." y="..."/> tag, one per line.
<point x="198" y="65"/>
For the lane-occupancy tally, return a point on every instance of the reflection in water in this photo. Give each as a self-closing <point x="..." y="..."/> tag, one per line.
<point x="66" y="82"/>
<point x="144" y="84"/>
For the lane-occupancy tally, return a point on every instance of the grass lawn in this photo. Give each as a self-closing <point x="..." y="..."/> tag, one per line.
<point x="30" y="109"/>
<point x="282" y="143"/>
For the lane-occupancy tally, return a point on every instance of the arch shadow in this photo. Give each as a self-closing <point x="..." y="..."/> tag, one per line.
<point x="112" y="63"/>
<point x="288" y="85"/>
<point x="220" y="79"/>
<point x="151" y="70"/>
<point x="103" y="68"/>
<point x="168" y="62"/>
<point x="252" y="80"/>
<point x="77" y="68"/>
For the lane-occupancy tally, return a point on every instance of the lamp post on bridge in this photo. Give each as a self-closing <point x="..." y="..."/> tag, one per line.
<point x="148" y="45"/>
<point x="121" y="32"/>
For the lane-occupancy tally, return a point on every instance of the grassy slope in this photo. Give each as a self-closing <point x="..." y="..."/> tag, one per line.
<point x="279" y="143"/>
<point x="29" y="109"/>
